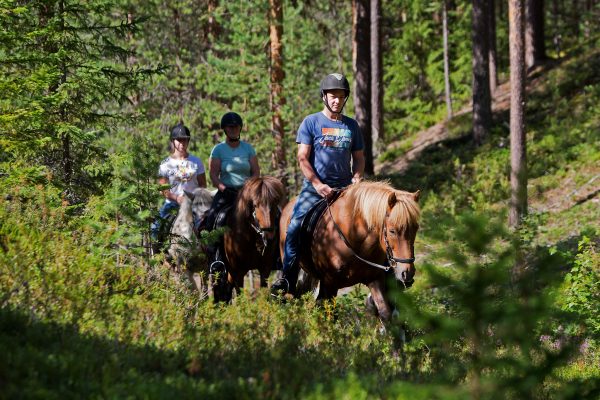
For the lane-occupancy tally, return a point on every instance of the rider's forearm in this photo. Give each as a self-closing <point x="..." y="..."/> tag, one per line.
<point x="215" y="180"/>
<point x="170" y="195"/>
<point x="358" y="169"/>
<point x="309" y="172"/>
<point x="358" y="165"/>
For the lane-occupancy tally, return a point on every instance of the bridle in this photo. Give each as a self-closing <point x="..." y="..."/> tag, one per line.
<point x="388" y="250"/>
<point x="261" y="231"/>
<point x="392" y="261"/>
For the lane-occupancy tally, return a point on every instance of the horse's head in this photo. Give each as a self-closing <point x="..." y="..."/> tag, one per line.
<point x="201" y="201"/>
<point x="399" y="233"/>
<point x="262" y="198"/>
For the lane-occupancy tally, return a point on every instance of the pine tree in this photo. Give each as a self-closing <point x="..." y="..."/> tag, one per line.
<point x="64" y="74"/>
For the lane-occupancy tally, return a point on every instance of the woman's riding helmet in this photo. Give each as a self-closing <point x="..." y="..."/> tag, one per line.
<point x="180" y="131"/>
<point x="231" y="119"/>
<point x="333" y="82"/>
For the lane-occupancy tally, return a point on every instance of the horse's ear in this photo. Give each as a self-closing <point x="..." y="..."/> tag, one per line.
<point x="190" y="195"/>
<point x="392" y="200"/>
<point x="416" y="195"/>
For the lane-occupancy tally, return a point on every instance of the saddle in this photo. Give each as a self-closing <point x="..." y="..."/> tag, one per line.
<point x="221" y="216"/>
<point x="312" y="217"/>
<point x="219" y="220"/>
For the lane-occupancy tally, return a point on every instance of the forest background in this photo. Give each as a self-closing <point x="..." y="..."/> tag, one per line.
<point x="88" y="94"/>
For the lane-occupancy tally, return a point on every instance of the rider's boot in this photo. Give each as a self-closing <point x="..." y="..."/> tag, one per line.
<point x="287" y="283"/>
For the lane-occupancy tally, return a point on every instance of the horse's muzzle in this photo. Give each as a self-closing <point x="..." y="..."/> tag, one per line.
<point x="407" y="284"/>
<point x="404" y="274"/>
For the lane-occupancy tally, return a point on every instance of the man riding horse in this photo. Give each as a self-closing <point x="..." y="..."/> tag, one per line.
<point x="330" y="155"/>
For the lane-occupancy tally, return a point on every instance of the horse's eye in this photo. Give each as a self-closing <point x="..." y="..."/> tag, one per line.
<point x="392" y="231"/>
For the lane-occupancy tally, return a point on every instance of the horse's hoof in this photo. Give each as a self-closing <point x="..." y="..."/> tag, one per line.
<point x="370" y="305"/>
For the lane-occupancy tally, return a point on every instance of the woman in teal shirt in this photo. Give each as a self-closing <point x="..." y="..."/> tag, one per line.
<point x="231" y="163"/>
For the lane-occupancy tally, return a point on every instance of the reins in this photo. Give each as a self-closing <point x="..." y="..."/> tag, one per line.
<point x="388" y="249"/>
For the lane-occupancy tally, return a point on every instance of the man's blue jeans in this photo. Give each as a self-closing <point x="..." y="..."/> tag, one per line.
<point x="306" y="199"/>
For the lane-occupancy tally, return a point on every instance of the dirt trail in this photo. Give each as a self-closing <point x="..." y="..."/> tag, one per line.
<point x="439" y="132"/>
<point x="570" y="193"/>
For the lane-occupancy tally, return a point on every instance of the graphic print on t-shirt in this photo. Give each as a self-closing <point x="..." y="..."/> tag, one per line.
<point x="185" y="170"/>
<point x="336" y="137"/>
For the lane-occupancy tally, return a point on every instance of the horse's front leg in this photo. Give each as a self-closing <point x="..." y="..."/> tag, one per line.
<point x="236" y="279"/>
<point x="326" y="292"/>
<point x="264" y="276"/>
<point x="383" y="308"/>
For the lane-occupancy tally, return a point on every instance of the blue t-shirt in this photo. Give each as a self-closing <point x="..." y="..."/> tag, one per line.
<point x="235" y="163"/>
<point x="332" y="145"/>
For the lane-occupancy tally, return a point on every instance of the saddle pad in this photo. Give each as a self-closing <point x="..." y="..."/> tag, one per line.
<point x="221" y="217"/>
<point x="309" y="222"/>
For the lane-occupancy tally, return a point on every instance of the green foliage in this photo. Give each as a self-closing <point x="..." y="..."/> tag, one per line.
<point x="84" y="313"/>
<point x="580" y="288"/>
<point x="63" y="68"/>
<point x="487" y="325"/>
<point x="70" y="307"/>
<point x="414" y="72"/>
<point x="208" y="74"/>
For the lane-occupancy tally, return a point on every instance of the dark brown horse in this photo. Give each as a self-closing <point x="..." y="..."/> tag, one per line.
<point x="364" y="236"/>
<point x="251" y="240"/>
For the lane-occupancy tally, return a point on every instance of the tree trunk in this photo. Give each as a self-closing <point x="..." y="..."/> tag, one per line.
<point x="556" y="37"/>
<point x="482" y="110"/>
<point x="212" y="26"/>
<point x="277" y="75"/>
<point x="376" y="78"/>
<point x="518" y="151"/>
<point x="67" y="160"/>
<point x="535" y="50"/>
<point x="492" y="50"/>
<point x="362" y="78"/>
<point x="446" y="60"/>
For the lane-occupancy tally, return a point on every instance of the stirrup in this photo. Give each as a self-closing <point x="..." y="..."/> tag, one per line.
<point x="280" y="285"/>
<point x="216" y="267"/>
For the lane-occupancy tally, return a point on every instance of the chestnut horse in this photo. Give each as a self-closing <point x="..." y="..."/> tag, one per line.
<point x="364" y="236"/>
<point x="251" y="240"/>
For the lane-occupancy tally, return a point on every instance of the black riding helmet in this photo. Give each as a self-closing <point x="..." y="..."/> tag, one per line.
<point x="334" y="82"/>
<point x="231" y="119"/>
<point x="180" y="131"/>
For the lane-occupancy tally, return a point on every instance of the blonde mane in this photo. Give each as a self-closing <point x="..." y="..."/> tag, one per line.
<point x="371" y="202"/>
